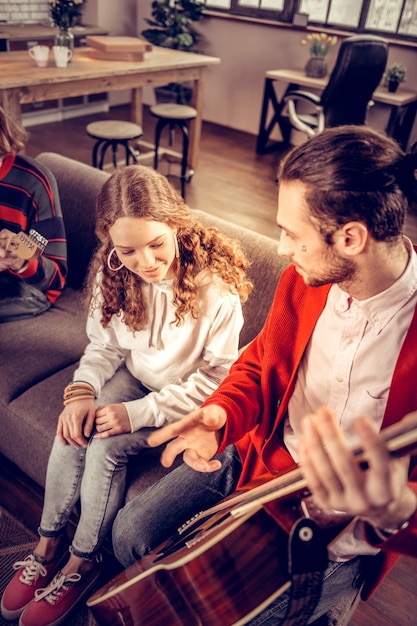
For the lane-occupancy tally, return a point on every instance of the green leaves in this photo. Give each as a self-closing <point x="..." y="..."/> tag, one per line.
<point x="65" y="12"/>
<point x="172" y="23"/>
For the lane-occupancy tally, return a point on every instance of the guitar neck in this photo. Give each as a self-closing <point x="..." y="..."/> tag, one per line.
<point x="400" y="439"/>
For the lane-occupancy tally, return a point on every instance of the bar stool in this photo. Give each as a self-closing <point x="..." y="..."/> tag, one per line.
<point x="174" y="115"/>
<point x="113" y="133"/>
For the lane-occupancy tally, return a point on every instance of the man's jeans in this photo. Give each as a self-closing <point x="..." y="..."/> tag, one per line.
<point x="18" y="300"/>
<point x="152" y="517"/>
<point x="342" y="583"/>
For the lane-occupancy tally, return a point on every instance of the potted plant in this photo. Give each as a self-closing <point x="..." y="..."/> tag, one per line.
<point x="171" y="26"/>
<point x="65" y="14"/>
<point x="394" y="75"/>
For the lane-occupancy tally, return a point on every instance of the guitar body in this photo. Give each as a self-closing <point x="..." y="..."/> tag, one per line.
<point x="227" y="572"/>
<point x="230" y="562"/>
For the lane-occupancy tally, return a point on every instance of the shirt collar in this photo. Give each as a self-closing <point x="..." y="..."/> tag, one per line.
<point x="166" y="285"/>
<point x="382" y="307"/>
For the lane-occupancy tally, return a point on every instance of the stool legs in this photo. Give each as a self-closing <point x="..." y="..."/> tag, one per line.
<point x="100" y="147"/>
<point x="185" y="143"/>
<point x="95" y="151"/>
<point x="103" y="151"/>
<point x="183" y="126"/>
<point x="130" y="153"/>
<point x="158" y="130"/>
<point x="113" y="133"/>
<point x="114" y="153"/>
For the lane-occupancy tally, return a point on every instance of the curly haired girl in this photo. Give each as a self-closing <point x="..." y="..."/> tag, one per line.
<point x="164" y="320"/>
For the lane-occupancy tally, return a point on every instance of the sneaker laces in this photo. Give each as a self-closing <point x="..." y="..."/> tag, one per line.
<point x="32" y="569"/>
<point x="56" y="588"/>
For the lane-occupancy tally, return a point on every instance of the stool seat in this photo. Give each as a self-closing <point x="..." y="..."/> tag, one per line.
<point x="173" y="111"/>
<point x="174" y="115"/>
<point x="112" y="133"/>
<point x="114" y="129"/>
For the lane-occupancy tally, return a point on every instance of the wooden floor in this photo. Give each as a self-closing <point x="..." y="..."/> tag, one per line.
<point x="230" y="181"/>
<point x="233" y="182"/>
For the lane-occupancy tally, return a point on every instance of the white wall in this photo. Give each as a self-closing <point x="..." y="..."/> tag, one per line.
<point x="234" y="88"/>
<point x="120" y="18"/>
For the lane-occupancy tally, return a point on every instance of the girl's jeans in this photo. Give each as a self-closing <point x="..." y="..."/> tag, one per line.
<point x="95" y="475"/>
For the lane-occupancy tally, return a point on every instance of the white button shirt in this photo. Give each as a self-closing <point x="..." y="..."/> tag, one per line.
<point x="348" y="366"/>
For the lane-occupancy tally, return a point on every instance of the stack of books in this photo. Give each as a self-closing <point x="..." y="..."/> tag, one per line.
<point x="117" y="48"/>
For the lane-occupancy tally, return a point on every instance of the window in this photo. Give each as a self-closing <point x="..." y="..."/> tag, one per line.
<point x="396" y="17"/>
<point x="408" y="22"/>
<point x="268" y="9"/>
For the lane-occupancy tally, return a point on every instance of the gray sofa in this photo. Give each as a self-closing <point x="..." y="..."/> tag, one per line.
<point x="38" y="356"/>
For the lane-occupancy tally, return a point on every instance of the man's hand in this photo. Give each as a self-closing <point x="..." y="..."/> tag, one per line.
<point x="8" y="259"/>
<point x="196" y="435"/>
<point x="378" y="495"/>
<point x="111" y="419"/>
<point x="75" y="424"/>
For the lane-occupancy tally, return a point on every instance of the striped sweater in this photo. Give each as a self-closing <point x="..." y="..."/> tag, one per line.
<point x="29" y="199"/>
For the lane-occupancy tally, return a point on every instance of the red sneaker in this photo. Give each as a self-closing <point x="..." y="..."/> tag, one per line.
<point x="52" y="605"/>
<point x="33" y="573"/>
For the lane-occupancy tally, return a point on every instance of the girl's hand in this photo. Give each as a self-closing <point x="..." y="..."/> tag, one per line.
<point x="197" y="436"/>
<point x="75" y="423"/>
<point x="111" y="419"/>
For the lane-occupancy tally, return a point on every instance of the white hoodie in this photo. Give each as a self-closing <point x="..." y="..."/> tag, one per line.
<point x="181" y="365"/>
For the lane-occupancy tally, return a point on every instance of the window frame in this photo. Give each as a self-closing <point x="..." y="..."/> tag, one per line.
<point x="291" y="8"/>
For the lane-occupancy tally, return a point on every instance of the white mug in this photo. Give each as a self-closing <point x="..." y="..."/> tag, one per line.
<point x="40" y="54"/>
<point x="62" y="55"/>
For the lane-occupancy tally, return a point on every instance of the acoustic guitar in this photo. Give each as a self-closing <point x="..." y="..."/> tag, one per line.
<point x="229" y="562"/>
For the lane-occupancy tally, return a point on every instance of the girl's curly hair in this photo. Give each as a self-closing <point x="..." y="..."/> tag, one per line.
<point x="139" y="191"/>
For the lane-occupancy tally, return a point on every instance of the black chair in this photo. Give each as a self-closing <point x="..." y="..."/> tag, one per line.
<point x="348" y="94"/>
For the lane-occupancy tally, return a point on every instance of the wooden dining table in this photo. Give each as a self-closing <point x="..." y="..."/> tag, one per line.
<point x="21" y="81"/>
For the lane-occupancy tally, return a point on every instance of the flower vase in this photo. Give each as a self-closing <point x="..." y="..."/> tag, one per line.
<point x="316" y="67"/>
<point x="65" y="38"/>
<point x="393" y="86"/>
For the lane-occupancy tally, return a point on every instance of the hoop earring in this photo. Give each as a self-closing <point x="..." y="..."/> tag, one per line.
<point x="177" y="250"/>
<point x="113" y="269"/>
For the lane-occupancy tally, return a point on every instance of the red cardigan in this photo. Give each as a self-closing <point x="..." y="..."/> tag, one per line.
<point x="256" y="392"/>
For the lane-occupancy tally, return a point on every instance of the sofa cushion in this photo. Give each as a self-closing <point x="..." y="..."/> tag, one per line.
<point x="29" y="423"/>
<point x="36" y="348"/>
